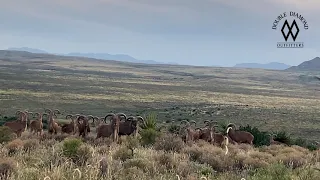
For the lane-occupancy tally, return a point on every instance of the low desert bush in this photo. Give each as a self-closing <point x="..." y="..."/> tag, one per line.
<point x="77" y="151"/>
<point x="14" y="146"/>
<point x="148" y="136"/>
<point x="7" y="167"/>
<point x="174" y="129"/>
<point x="30" y="144"/>
<point x="6" y="134"/>
<point x="70" y="147"/>
<point x="123" y="153"/>
<point x="169" y="142"/>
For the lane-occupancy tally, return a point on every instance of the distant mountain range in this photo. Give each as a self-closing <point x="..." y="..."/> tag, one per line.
<point x="271" y="65"/>
<point x="104" y="56"/>
<point x="28" y="50"/>
<point x="311" y="65"/>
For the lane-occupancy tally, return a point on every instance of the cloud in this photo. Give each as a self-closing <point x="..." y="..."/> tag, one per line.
<point x="180" y="17"/>
<point x="180" y="29"/>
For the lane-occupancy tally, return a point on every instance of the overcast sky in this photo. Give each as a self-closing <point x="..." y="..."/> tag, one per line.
<point x="202" y="32"/>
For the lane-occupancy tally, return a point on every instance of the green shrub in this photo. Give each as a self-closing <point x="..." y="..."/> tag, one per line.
<point x="274" y="172"/>
<point x="148" y="136"/>
<point x="76" y="150"/>
<point x="45" y="125"/>
<point x="222" y="127"/>
<point x="70" y="147"/>
<point x="300" y="142"/>
<point x="6" y="134"/>
<point x="283" y="137"/>
<point x="312" y="147"/>
<point x="304" y="143"/>
<point x="149" y="131"/>
<point x="4" y="119"/>
<point x="261" y="138"/>
<point x="150" y="122"/>
<point x="174" y="129"/>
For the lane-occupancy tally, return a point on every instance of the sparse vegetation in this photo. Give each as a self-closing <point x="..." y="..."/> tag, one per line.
<point x="167" y="158"/>
<point x="270" y="102"/>
<point x="6" y="134"/>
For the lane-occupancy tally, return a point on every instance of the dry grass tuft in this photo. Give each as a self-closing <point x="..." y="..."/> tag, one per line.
<point x="7" y="167"/>
<point x="14" y="146"/>
<point x="30" y="144"/>
<point x="77" y="158"/>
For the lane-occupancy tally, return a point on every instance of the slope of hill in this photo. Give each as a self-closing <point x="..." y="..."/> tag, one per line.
<point x="311" y="65"/>
<point x="91" y="86"/>
<point x="118" y="57"/>
<point x="271" y="65"/>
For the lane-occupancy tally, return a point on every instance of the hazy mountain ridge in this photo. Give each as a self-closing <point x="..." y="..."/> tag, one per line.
<point x="32" y="50"/>
<point x="271" y="65"/>
<point x="311" y="65"/>
<point x="103" y="56"/>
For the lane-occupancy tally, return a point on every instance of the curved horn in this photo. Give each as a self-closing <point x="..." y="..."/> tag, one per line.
<point x="110" y="114"/>
<point x="96" y="118"/>
<point x="185" y="121"/>
<point x="80" y="117"/>
<point x="24" y="116"/>
<point x="44" y="114"/>
<point x="141" y="119"/>
<point x="46" y="110"/>
<point x="206" y="122"/>
<point x="69" y="116"/>
<point x="231" y="124"/>
<point x="130" y="118"/>
<point x="194" y="122"/>
<point x="28" y="113"/>
<point x="122" y="114"/>
<point x="56" y="111"/>
<point x="76" y="116"/>
<point x="18" y="112"/>
<point x="228" y="129"/>
<point x="90" y="117"/>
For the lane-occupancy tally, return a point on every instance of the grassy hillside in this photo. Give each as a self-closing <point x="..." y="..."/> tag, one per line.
<point x="274" y="100"/>
<point x="69" y="159"/>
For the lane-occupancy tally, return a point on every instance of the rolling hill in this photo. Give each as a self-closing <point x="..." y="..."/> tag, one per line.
<point x="271" y="65"/>
<point x="272" y="100"/>
<point x="104" y="56"/>
<point x="32" y="50"/>
<point x="311" y="65"/>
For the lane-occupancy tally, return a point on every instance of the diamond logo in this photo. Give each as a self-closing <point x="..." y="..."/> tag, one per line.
<point x="290" y="28"/>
